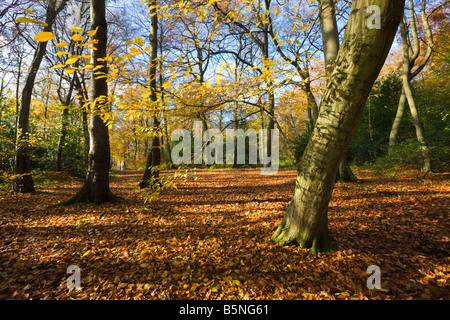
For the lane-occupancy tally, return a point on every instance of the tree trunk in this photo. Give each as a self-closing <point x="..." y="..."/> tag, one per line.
<point x="62" y="138"/>
<point x="23" y="182"/>
<point x="397" y="121"/>
<point x="64" y="124"/>
<point x="410" y="55"/>
<point x="358" y="64"/>
<point x="330" y="39"/>
<point x="151" y="174"/>
<point x="406" y="76"/>
<point x="96" y="185"/>
<point x="84" y="115"/>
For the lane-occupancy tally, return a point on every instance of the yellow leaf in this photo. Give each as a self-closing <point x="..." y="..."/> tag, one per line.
<point x="76" y="29"/>
<point x="139" y="41"/>
<point x="25" y="20"/>
<point x="58" y="66"/>
<point x="86" y="253"/>
<point x="60" y="53"/>
<point x="72" y="59"/>
<point x="62" y="44"/>
<point x="93" y="32"/>
<point x="194" y="286"/>
<point x="42" y="23"/>
<point x="44" y="36"/>
<point x="77" y="37"/>
<point x="29" y="11"/>
<point x="70" y="70"/>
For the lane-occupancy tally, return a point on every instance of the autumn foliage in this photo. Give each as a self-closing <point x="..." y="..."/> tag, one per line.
<point x="210" y="239"/>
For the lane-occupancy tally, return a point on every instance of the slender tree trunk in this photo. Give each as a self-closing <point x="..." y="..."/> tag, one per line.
<point x="406" y="76"/>
<point x="411" y="52"/>
<point x="330" y="39"/>
<point x="358" y="64"/>
<point x="151" y="174"/>
<point x="270" y="93"/>
<point x="62" y="138"/>
<point x="23" y="182"/>
<point x="64" y="125"/>
<point x="397" y="121"/>
<point x="96" y="185"/>
<point x="84" y="115"/>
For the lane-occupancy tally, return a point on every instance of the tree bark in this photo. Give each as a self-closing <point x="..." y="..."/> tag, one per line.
<point x="412" y="104"/>
<point x="330" y="40"/>
<point x="84" y="114"/>
<point x="23" y="182"/>
<point x="358" y="64"/>
<point x="151" y="174"/>
<point x="96" y="185"/>
<point x="397" y="121"/>
<point x="270" y="93"/>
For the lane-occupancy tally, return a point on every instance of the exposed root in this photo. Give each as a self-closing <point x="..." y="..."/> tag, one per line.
<point x="85" y="195"/>
<point x="317" y="242"/>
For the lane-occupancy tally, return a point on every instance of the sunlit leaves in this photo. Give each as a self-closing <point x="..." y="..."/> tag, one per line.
<point x="25" y="20"/>
<point x="30" y="20"/>
<point x="192" y="244"/>
<point x="75" y="29"/>
<point x="77" y="37"/>
<point x="62" y="45"/>
<point x="72" y="59"/>
<point x="44" y="36"/>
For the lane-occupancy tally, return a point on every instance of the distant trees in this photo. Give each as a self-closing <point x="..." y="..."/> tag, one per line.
<point x="231" y="64"/>
<point x="23" y="181"/>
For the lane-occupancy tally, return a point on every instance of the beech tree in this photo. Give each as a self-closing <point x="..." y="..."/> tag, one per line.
<point x="330" y="39"/>
<point x="96" y="185"/>
<point x="358" y="64"/>
<point x="411" y="53"/>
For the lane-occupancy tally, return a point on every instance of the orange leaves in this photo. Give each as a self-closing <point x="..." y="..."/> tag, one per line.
<point x="209" y="239"/>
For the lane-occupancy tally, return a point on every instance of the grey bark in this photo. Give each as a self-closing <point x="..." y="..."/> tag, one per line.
<point x="330" y="40"/>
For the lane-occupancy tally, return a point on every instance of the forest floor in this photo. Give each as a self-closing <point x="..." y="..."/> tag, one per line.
<point x="210" y="239"/>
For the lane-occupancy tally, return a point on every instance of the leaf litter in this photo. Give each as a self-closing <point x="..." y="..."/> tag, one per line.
<point x="210" y="239"/>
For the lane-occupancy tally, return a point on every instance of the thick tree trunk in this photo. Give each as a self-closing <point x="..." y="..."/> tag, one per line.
<point x="359" y="62"/>
<point x="151" y="174"/>
<point x="330" y="39"/>
<point x="96" y="185"/>
<point x="23" y="181"/>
